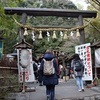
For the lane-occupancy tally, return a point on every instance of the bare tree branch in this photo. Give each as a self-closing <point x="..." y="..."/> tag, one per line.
<point x="94" y="26"/>
<point x="97" y="8"/>
<point x="96" y="2"/>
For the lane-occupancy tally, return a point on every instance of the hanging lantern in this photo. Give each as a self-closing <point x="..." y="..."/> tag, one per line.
<point x="40" y="35"/>
<point x="33" y="36"/>
<point x="77" y="33"/>
<point x="25" y="32"/>
<point x="65" y="36"/>
<point x="54" y="35"/>
<point x="48" y="36"/>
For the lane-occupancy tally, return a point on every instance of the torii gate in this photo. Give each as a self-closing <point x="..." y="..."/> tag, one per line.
<point x="24" y="12"/>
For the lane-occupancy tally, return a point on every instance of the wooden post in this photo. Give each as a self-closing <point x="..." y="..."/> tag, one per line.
<point x="82" y="34"/>
<point x="95" y="80"/>
<point x="23" y="21"/>
<point x="23" y="80"/>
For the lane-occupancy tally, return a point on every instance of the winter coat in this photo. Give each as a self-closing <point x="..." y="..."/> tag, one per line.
<point x="79" y="73"/>
<point x="49" y="79"/>
<point x="35" y="68"/>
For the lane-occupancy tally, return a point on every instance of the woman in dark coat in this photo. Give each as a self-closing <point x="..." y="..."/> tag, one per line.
<point x="50" y="80"/>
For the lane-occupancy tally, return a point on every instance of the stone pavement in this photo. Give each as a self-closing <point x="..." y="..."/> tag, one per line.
<point x="64" y="91"/>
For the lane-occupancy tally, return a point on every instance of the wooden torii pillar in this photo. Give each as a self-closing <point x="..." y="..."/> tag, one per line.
<point x="24" y="12"/>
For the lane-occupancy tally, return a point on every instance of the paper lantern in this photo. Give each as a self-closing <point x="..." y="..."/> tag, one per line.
<point x="77" y="33"/>
<point x="25" y="32"/>
<point x="65" y="36"/>
<point x="54" y="35"/>
<point x="40" y="35"/>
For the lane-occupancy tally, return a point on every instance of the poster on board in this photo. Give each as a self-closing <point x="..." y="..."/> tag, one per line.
<point x="84" y="52"/>
<point x="29" y="72"/>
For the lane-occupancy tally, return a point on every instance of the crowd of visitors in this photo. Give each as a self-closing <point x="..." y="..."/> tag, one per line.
<point x="64" y="71"/>
<point x="61" y="72"/>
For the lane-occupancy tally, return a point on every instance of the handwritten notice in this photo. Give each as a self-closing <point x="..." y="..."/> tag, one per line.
<point x="84" y="52"/>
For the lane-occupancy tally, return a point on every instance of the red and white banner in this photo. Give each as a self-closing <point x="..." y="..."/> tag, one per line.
<point x="29" y="72"/>
<point x="84" y="52"/>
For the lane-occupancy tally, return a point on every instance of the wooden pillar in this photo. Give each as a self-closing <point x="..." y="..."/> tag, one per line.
<point x="21" y="37"/>
<point x="23" y="21"/>
<point x="82" y="34"/>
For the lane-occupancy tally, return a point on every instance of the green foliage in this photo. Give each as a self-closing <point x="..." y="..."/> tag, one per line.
<point x="94" y="4"/>
<point x="93" y="33"/>
<point x="40" y="45"/>
<point x="9" y="30"/>
<point x="59" y="4"/>
<point x="93" y="30"/>
<point x="8" y="86"/>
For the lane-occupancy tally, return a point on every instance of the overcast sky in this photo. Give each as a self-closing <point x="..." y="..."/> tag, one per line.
<point x="81" y="2"/>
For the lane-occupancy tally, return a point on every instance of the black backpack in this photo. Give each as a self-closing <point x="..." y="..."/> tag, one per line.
<point x="77" y="65"/>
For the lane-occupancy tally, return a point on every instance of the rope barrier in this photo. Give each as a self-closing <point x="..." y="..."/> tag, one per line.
<point x="50" y="29"/>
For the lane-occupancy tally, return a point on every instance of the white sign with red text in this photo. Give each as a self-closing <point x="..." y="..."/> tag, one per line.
<point x="29" y="72"/>
<point x="84" y="52"/>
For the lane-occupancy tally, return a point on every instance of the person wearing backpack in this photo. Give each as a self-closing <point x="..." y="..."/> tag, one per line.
<point x="78" y="70"/>
<point x="49" y="72"/>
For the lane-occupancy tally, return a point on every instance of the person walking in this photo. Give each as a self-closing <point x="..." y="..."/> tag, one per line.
<point x="68" y="67"/>
<point x="39" y="74"/>
<point x="78" y="70"/>
<point x="35" y="68"/>
<point x="49" y="80"/>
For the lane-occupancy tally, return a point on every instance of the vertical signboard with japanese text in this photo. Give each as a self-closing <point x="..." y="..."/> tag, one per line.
<point x="84" y="52"/>
<point x="29" y="72"/>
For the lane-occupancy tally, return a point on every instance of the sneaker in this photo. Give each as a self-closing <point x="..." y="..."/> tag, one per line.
<point x="79" y="90"/>
<point x="83" y="90"/>
<point x="48" y="97"/>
